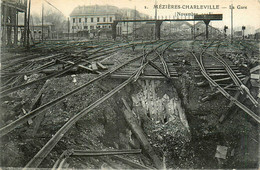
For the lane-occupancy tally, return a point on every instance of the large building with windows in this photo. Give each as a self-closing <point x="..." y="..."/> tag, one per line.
<point x="86" y="18"/>
<point x="100" y="17"/>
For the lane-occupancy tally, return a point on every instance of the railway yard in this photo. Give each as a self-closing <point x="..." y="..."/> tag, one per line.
<point x="131" y="104"/>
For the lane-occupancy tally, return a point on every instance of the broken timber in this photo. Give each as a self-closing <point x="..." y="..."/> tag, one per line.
<point x="137" y="130"/>
<point x="11" y="126"/>
<point x="10" y="90"/>
<point x="217" y="92"/>
<point x="159" y="69"/>
<point x="231" y="104"/>
<point x="228" y="96"/>
<point x="45" y="150"/>
<point x="130" y="162"/>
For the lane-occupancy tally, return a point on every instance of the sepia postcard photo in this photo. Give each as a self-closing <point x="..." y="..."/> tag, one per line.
<point x="129" y="84"/>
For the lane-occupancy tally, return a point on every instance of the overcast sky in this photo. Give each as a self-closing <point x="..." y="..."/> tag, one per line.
<point x="248" y="17"/>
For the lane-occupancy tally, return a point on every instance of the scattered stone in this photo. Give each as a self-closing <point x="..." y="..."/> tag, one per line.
<point x="25" y="78"/>
<point x="232" y="152"/>
<point x="221" y="152"/>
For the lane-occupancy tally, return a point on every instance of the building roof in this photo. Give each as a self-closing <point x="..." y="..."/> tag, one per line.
<point x="95" y="10"/>
<point x="44" y="24"/>
<point x="122" y="13"/>
<point x="201" y="24"/>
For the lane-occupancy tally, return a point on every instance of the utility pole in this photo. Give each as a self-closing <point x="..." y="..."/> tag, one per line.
<point x="28" y="25"/>
<point x="33" y="29"/>
<point x="170" y="27"/>
<point x="155" y="17"/>
<point x="25" y="25"/>
<point x="194" y="29"/>
<point x="73" y="30"/>
<point x="68" y="28"/>
<point x="243" y="30"/>
<point x="42" y="20"/>
<point x="232" y="23"/>
<point x="127" y="29"/>
<point x="135" y="25"/>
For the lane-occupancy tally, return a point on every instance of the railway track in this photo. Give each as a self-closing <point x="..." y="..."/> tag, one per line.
<point x="223" y="76"/>
<point x="53" y="141"/>
<point x="159" y="69"/>
<point x="98" y="53"/>
<point x="37" y="159"/>
<point x="215" y="68"/>
<point x="234" y="77"/>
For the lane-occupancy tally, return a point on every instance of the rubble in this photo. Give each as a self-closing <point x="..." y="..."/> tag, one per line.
<point x="221" y="152"/>
<point x="182" y="130"/>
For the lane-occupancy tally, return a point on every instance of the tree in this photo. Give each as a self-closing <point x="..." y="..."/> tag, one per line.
<point x="51" y="16"/>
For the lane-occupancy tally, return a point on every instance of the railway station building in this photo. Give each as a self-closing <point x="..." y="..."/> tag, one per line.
<point x="97" y="19"/>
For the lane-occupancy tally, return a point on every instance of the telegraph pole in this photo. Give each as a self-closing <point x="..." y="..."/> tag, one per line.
<point x="73" y="30"/>
<point x="135" y="25"/>
<point x="243" y="30"/>
<point x="232" y="23"/>
<point x="68" y="28"/>
<point x="194" y="29"/>
<point x="127" y="29"/>
<point x="28" y="25"/>
<point x="25" y="24"/>
<point x="155" y="17"/>
<point x="42" y="20"/>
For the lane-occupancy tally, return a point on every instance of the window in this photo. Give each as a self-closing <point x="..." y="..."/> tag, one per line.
<point x="79" y="20"/>
<point x="40" y="32"/>
<point x="74" y="20"/>
<point x="109" y="26"/>
<point x="92" y="19"/>
<point x="98" y="27"/>
<point x="110" y="19"/>
<point x="86" y="19"/>
<point x="97" y="19"/>
<point x="104" y="19"/>
<point x="91" y="27"/>
<point x="104" y="26"/>
<point x="34" y="31"/>
<point x="85" y="27"/>
<point x="73" y="27"/>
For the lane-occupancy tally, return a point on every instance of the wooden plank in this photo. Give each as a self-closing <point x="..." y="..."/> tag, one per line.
<point x="131" y="163"/>
<point x="217" y="67"/>
<point x="94" y="66"/>
<point x="217" y="74"/>
<point x="219" y="71"/>
<point x="147" y="69"/>
<point x="150" y="74"/>
<point x="255" y="76"/>
<point x="36" y="104"/>
<point x="219" y="80"/>
<point x="255" y="69"/>
<point x="140" y="135"/>
<point x="224" y="115"/>
<point x="101" y="66"/>
<point x="104" y="152"/>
